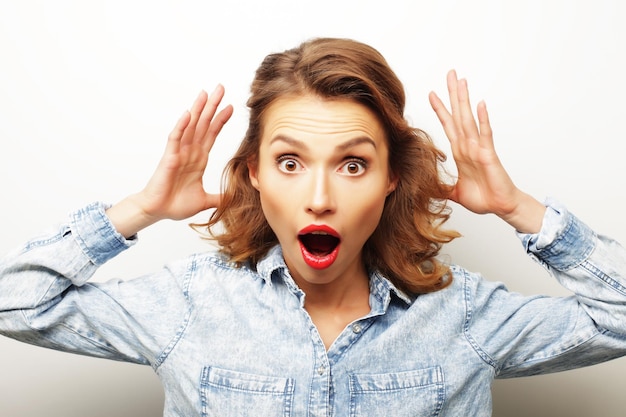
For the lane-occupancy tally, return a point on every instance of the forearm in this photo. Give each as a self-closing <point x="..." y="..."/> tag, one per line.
<point x="128" y="217"/>
<point x="45" y="298"/>
<point x="593" y="267"/>
<point x="528" y="214"/>
<point x="69" y="255"/>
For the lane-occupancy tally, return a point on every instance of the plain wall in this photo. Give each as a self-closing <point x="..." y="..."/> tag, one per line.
<point x="89" y="91"/>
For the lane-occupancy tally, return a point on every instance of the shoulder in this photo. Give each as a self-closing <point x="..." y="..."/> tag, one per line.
<point x="473" y="287"/>
<point x="468" y="293"/>
<point x="210" y="268"/>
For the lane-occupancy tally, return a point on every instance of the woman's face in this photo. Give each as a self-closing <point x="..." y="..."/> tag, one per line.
<point x="322" y="176"/>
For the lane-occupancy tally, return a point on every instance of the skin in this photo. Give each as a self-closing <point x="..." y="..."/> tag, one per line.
<point x="332" y="157"/>
<point x="483" y="185"/>
<point x="175" y="191"/>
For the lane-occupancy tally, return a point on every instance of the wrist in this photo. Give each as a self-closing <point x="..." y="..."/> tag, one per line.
<point x="527" y="216"/>
<point x="128" y="216"/>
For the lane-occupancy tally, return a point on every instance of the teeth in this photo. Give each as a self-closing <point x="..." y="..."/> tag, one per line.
<point x="319" y="232"/>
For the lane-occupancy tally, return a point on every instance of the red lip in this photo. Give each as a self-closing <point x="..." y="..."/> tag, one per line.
<point x="319" y="228"/>
<point x="318" y="260"/>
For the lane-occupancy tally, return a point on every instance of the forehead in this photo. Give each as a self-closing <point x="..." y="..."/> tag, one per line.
<point x="312" y="115"/>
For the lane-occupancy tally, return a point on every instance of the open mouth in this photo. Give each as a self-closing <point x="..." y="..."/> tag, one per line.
<point x="319" y="246"/>
<point x="319" y="243"/>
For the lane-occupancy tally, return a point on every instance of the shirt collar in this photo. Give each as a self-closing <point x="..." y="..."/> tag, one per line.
<point x="272" y="262"/>
<point x="381" y="288"/>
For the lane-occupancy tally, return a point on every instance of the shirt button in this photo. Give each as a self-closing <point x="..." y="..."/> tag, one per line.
<point x="356" y="328"/>
<point x="321" y="370"/>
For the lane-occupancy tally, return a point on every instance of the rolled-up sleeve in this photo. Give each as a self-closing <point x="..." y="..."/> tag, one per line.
<point x="520" y="335"/>
<point x="46" y="299"/>
<point x="591" y="265"/>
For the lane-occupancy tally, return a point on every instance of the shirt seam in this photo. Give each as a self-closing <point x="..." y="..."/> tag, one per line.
<point x="602" y="276"/>
<point x="182" y="328"/>
<point x="482" y="354"/>
<point x="554" y="354"/>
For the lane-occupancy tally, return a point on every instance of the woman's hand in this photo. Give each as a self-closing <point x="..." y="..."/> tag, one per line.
<point x="483" y="185"/>
<point x="176" y="190"/>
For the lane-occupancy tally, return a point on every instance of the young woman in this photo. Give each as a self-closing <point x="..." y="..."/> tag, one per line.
<point x="326" y="297"/>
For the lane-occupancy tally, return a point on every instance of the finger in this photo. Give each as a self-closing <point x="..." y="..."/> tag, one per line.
<point x="216" y="126"/>
<point x="173" y="140"/>
<point x="452" y="81"/>
<point x="468" y="123"/>
<point x="484" y="126"/>
<point x="197" y="107"/>
<point x="212" y="201"/>
<point x="194" y="112"/>
<point x="445" y="118"/>
<point x="208" y="112"/>
<point x="454" y="194"/>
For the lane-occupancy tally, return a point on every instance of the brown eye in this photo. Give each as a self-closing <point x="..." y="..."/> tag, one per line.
<point x="288" y="165"/>
<point x="353" y="167"/>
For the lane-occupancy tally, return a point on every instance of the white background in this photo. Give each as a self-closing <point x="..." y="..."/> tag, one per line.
<point x="89" y="91"/>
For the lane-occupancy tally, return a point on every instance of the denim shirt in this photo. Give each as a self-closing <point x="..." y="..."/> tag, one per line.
<point x="229" y="341"/>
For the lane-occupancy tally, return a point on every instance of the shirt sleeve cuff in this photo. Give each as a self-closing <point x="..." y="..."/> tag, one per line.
<point x="96" y="235"/>
<point x="563" y="241"/>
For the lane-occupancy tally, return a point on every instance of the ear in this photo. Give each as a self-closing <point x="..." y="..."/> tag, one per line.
<point x="393" y="183"/>
<point x="253" y="173"/>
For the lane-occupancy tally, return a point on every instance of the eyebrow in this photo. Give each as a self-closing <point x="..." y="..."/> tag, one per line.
<point x="344" y="146"/>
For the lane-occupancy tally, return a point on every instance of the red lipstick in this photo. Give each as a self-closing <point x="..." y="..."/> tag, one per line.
<point x="319" y="245"/>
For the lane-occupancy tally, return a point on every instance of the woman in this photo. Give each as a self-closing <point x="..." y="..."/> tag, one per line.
<point x="326" y="297"/>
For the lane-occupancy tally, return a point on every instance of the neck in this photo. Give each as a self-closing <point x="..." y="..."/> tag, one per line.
<point x="344" y="293"/>
<point x="333" y="306"/>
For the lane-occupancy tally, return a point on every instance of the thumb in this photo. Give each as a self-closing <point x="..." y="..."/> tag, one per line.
<point x="212" y="201"/>
<point x="454" y="194"/>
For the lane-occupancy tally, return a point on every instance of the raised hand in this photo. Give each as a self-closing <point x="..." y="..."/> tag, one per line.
<point x="176" y="190"/>
<point x="483" y="185"/>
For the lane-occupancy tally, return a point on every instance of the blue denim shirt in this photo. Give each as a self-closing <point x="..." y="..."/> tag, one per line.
<point x="229" y="341"/>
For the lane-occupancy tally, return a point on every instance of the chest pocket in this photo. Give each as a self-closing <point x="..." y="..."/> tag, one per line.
<point x="228" y="393"/>
<point x="413" y="393"/>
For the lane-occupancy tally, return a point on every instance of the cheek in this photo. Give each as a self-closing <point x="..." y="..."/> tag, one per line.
<point x="275" y="207"/>
<point x="268" y="205"/>
<point x="367" y="213"/>
<point x="375" y="212"/>
<point x="271" y="210"/>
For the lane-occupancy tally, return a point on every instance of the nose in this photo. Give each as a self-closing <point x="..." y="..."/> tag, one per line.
<point x="321" y="198"/>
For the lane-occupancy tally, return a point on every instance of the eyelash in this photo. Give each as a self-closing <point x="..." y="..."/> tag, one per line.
<point x="284" y="158"/>
<point x="352" y="159"/>
<point x="355" y="160"/>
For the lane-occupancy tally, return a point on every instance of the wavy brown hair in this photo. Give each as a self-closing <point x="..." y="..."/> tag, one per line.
<point x="409" y="236"/>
